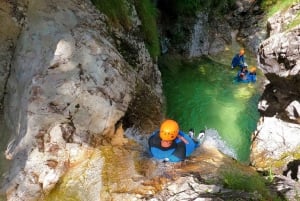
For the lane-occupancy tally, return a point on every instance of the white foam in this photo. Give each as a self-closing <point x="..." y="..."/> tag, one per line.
<point x="213" y="139"/>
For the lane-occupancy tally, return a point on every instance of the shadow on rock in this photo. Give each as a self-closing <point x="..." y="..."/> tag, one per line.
<point x="292" y="167"/>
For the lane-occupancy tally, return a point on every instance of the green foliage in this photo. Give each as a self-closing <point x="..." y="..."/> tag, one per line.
<point x="295" y="22"/>
<point x="270" y="176"/>
<point x="267" y="4"/>
<point x="148" y="13"/>
<point x="119" y="12"/>
<point x="250" y="183"/>
<point x="273" y="6"/>
<point x="116" y="10"/>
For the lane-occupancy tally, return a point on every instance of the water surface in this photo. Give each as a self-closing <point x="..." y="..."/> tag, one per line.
<point x="202" y="94"/>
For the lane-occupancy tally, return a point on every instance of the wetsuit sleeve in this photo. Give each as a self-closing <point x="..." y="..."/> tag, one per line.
<point x="154" y="140"/>
<point x="234" y="61"/>
<point x="242" y="60"/>
<point x="180" y="151"/>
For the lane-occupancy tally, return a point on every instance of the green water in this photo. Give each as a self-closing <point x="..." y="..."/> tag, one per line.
<point x="201" y="94"/>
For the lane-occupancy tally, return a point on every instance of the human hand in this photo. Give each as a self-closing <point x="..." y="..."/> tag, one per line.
<point x="183" y="139"/>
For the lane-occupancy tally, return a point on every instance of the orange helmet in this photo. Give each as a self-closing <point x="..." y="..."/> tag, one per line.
<point x="252" y="69"/>
<point x="168" y="130"/>
<point x="242" y="52"/>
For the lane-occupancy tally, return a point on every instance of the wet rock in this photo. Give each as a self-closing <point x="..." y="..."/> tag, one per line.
<point x="248" y="19"/>
<point x="69" y="90"/>
<point x="12" y="17"/>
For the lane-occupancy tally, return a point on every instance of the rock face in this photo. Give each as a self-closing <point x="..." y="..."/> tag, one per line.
<point x="70" y="89"/>
<point x="279" y="60"/>
<point x="209" y="33"/>
<point x="276" y="24"/>
<point x="209" y="36"/>
<point x="247" y="18"/>
<point x="276" y="142"/>
<point x="12" y="18"/>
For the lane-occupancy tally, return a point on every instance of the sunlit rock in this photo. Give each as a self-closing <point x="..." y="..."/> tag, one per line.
<point x="263" y="105"/>
<point x="275" y="144"/>
<point x="277" y="22"/>
<point x="293" y="111"/>
<point x="287" y="188"/>
<point x="71" y="90"/>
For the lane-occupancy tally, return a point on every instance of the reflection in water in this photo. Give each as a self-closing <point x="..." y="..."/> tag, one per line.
<point x="202" y="94"/>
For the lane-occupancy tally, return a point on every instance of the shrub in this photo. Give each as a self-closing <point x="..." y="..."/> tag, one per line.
<point x="241" y="181"/>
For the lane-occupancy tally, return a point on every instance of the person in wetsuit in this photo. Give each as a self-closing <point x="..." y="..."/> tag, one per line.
<point x="171" y="144"/>
<point x="239" y="60"/>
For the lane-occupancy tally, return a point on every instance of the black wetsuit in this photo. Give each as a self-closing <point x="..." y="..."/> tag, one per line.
<point x="178" y="149"/>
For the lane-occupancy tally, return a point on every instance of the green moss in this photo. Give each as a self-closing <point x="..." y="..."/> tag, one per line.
<point x="116" y="10"/>
<point x="294" y="23"/>
<point x="286" y="157"/>
<point x="237" y="180"/>
<point x="148" y="14"/>
<point x="119" y="13"/>
<point x="274" y="6"/>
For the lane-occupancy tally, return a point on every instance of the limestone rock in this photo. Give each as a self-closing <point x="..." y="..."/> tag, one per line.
<point x="276" y="141"/>
<point x="278" y="22"/>
<point x="248" y="19"/>
<point x="287" y="188"/>
<point x="274" y="144"/>
<point x="279" y="58"/>
<point x="12" y="19"/>
<point x="70" y="89"/>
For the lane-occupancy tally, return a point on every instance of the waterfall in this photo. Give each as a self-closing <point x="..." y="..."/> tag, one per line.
<point x="211" y="139"/>
<point x="199" y="44"/>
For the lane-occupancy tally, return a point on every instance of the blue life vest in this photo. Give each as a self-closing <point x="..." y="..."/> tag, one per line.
<point x="171" y="154"/>
<point x="238" y="60"/>
<point x="248" y="77"/>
